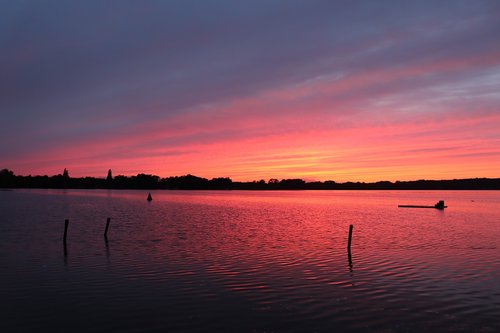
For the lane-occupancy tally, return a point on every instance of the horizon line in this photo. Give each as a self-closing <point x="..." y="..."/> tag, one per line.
<point x="266" y="181"/>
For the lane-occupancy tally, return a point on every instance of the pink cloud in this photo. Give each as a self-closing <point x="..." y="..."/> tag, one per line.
<point x="338" y="127"/>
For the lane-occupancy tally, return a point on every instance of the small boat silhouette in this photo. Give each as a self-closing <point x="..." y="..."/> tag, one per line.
<point x="439" y="205"/>
<point x="150" y="198"/>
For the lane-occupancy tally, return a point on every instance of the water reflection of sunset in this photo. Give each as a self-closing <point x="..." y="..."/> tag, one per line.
<point x="253" y="259"/>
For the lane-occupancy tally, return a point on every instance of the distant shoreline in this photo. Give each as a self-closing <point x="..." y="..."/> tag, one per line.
<point x="8" y="180"/>
<point x="230" y="190"/>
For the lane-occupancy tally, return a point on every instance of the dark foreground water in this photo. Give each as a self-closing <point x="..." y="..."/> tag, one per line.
<point x="249" y="262"/>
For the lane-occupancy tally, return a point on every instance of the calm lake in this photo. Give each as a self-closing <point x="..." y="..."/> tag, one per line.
<point x="241" y="261"/>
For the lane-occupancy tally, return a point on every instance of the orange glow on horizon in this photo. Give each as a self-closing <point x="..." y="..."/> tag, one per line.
<point x="309" y="131"/>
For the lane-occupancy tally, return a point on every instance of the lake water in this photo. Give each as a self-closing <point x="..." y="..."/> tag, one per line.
<point x="239" y="261"/>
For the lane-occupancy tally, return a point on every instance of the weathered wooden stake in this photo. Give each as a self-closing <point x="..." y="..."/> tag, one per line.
<point x="107" y="227"/>
<point x="350" y="237"/>
<point x="349" y="260"/>
<point x="65" y="248"/>
<point x="66" y="223"/>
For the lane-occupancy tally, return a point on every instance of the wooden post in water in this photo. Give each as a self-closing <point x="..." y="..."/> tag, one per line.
<point x="66" y="223"/>
<point x="107" y="227"/>
<point x="349" y="239"/>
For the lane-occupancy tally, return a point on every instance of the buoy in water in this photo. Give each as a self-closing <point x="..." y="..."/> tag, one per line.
<point x="149" y="197"/>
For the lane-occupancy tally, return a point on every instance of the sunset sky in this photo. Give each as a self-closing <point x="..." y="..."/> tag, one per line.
<point x="339" y="90"/>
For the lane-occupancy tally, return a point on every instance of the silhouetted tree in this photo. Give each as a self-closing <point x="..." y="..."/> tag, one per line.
<point x="292" y="184"/>
<point x="65" y="173"/>
<point x="273" y="184"/>
<point x="7" y="178"/>
<point x="110" y="176"/>
<point x="145" y="181"/>
<point x="121" y="182"/>
<point x="188" y="182"/>
<point x="221" y="184"/>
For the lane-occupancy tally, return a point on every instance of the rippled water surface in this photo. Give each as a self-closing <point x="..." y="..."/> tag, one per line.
<point x="249" y="261"/>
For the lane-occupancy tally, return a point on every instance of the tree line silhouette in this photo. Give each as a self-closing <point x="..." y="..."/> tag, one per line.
<point x="189" y="182"/>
